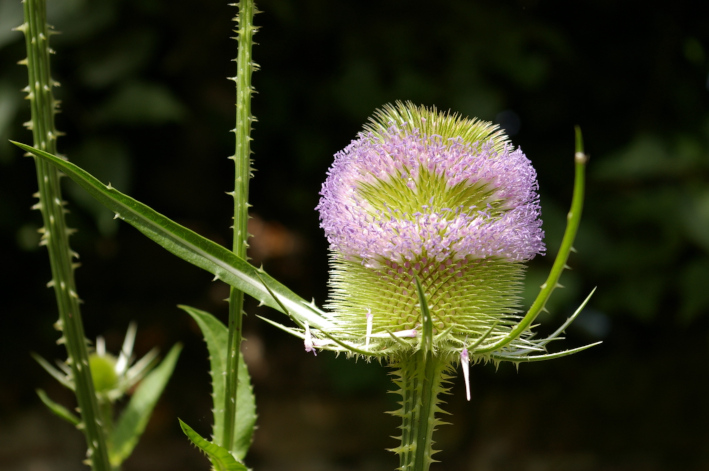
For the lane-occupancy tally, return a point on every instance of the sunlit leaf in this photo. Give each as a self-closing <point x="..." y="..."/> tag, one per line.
<point x="221" y="459"/>
<point x="216" y="335"/>
<point x="190" y="246"/>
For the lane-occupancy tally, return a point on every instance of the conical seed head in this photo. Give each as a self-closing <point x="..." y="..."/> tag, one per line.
<point x="437" y="197"/>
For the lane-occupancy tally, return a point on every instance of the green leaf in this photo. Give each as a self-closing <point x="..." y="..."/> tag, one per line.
<point x="56" y="374"/>
<point x="216" y="335"/>
<point x="219" y="456"/>
<point x="58" y="409"/>
<point x="135" y="416"/>
<point x="190" y="246"/>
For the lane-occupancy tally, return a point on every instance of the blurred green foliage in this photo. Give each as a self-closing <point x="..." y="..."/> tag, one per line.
<point x="147" y="107"/>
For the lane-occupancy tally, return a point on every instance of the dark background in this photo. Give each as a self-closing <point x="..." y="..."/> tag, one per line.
<point x="146" y="106"/>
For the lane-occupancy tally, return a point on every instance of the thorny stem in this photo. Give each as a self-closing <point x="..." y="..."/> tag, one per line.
<point x="55" y="231"/>
<point x="420" y="378"/>
<point x="242" y="164"/>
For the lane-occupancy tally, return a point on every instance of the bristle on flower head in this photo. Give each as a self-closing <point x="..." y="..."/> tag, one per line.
<point x="435" y="197"/>
<point x="424" y="189"/>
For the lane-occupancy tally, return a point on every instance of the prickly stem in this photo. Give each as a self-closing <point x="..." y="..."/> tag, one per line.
<point x="421" y="378"/>
<point x="55" y="234"/>
<point x="242" y="164"/>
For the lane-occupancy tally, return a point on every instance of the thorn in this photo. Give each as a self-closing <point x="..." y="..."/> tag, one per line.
<point x="465" y="364"/>
<point x="369" y="327"/>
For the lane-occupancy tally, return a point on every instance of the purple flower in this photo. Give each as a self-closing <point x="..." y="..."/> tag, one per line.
<point x="431" y="198"/>
<point x="406" y="197"/>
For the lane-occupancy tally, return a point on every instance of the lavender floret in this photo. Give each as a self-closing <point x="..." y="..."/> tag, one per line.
<point x="400" y="196"/>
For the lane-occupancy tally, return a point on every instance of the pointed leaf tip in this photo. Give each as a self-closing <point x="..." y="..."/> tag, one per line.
<point x="221" y="459"/>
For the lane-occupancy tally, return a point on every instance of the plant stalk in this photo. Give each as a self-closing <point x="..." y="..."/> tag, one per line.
<point x="56" y="233"/>
<point x="242" y="169"/>
<point x="421" y="377"/>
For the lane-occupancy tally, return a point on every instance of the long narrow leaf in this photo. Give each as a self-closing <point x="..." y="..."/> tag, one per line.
<point x="56" y="374"/>
<point x="219" y="456"/>
<point x="134" y="418"/>
<point x="216" y="335"/>
<point x="58" y="409"/>
<point x="189" y="245"/>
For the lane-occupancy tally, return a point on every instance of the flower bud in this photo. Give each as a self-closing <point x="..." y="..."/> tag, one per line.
<point x="103" y="372"/>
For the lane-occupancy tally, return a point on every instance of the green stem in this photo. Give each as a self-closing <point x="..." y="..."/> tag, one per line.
<point x="55" y="231"/>
<point x="420" y="378"/>
<point x="242" y="164"/>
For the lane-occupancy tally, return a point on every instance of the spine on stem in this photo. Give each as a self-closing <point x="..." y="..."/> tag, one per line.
<point x="242" y="164"/>
<point x="420" y="378"/>
<point x="55" y="233"/>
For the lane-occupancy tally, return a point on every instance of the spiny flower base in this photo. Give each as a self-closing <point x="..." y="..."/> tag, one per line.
<point x="467" y="298"/>
<point x="420" y="377"/>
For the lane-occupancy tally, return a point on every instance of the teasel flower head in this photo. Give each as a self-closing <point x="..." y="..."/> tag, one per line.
<point x="429" y="208"/>
<point x="430" y="218"/>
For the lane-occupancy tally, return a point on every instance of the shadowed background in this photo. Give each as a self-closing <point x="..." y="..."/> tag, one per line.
<point x="146" y="106"/>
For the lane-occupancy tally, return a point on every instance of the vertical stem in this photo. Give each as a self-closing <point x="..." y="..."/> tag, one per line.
<point x="55" y="231"/>
<point x="420" y="377"/>
<point x="242" y="164"/>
